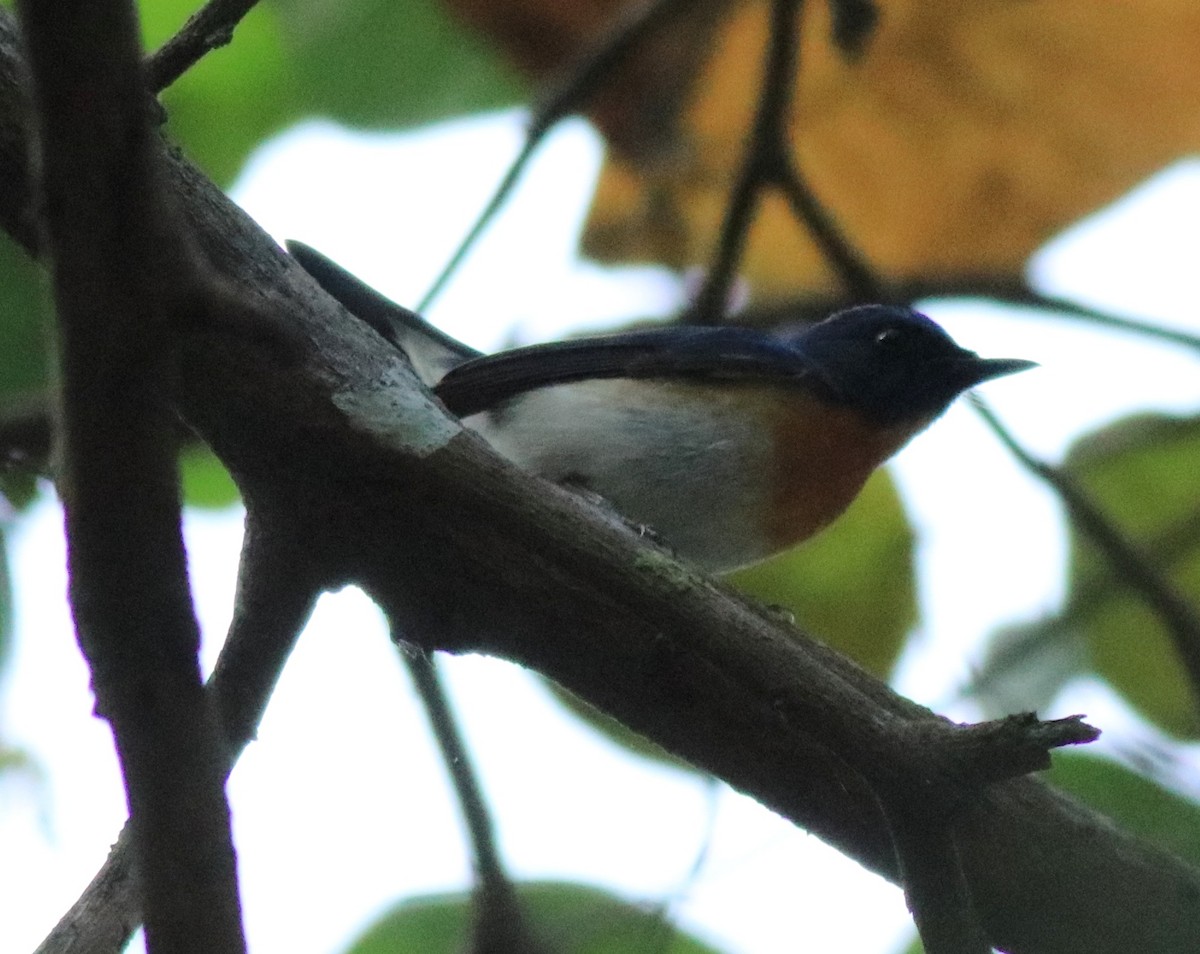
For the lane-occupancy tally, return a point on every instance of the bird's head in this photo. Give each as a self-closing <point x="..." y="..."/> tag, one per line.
<point x="895" y="365"/>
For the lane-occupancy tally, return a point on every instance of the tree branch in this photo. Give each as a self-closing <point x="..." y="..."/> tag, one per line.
<point x="857" y="276"/>
<point x="769" y="163"/>
<point x="104" y="917"/>
<point x="207" y="29"/>
<point x="122" y="273"/>
<point x="758" y="165"/>
<point x="935" y="887"/>
<point x="853" y="25"/>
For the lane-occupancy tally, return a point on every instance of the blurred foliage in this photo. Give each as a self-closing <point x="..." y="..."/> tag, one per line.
<point x="206" y="482"/>
<point x="567" y="918"/>
<point x="1022" y="117"/>
<point x="12" y="760"/>
<point x="1139" y="804"/>
<point x="19" y="487"/>
<point x="822" y="582"/>
<point x="390" y="64"/>
<point x="25" y="317"/>
<point x="1144" y="472"/>
<point x="384" y="64"/>
<point x="1027" y="664"/>
<point x="988" y="103"/>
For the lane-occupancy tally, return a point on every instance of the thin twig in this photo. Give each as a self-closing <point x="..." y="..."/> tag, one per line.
<point x="207" y="29"/>
<point x="428" y="682"/>
<point x="1004" y="289"/>
<point x="512" y="176"/>
<point x="580" y="82"/>
<point x="499" y="925"/>
<point x="1019" y="293"/>
<point x="1128" y="561"/>
<point x="770" y="163"/>
<point x="854" y="23"/>
<point x="760" y="161"/>
<point x="857" y="276"/>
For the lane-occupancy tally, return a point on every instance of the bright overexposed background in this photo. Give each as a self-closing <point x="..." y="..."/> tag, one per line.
<point x="341" y="806"/>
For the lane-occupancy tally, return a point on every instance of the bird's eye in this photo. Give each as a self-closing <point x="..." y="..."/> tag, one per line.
<point x="888" y="338"/>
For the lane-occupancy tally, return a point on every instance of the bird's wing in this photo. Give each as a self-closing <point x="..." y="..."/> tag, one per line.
<point x="686" y="353"/>
<point x="431" y="351"/>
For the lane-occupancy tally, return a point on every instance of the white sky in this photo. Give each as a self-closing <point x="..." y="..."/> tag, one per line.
<point x="341" y="806"/>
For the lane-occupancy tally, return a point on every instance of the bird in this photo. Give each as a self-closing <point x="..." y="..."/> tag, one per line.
<point x="729" y="443"/>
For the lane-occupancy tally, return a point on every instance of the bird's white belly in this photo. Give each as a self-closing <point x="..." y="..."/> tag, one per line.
<point x="695" y="473"/>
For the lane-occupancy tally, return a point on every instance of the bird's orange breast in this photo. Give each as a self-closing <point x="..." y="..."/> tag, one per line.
<point x="823" y="455"/>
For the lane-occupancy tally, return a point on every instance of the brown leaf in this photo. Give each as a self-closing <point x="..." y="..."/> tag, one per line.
<point x="969" y="133"/>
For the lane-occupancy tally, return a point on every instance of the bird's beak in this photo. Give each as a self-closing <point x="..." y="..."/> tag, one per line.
<point x="977" y="370"/>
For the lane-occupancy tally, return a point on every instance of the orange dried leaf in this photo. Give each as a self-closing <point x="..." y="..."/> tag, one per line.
<point x="969" y="132"/>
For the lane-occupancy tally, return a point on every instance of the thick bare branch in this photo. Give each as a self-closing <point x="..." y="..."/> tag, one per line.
<point x="122" y="275"/>
<point x="935" y="887"/>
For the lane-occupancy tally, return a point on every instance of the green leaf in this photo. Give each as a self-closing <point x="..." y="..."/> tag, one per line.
<point x="389" y="63"/>
<point x="19" y="488"/>
<point x="25" y="362"/>
<point x="233" y="98"/>
<point x="206" y="482"/>
<point x="25" y="327"/>
<point x="1145" y="473"/>
<point x="1027" y="664"/>
<point x="385" y="64"/>
<point x="20" y="763"/>
<point x="853" y="586"/>
<point x="1139" y="804"/>
<point x="569" y="918"/>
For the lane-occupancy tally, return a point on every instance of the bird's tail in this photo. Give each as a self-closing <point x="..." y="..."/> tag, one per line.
<point x="431" y="351"/>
